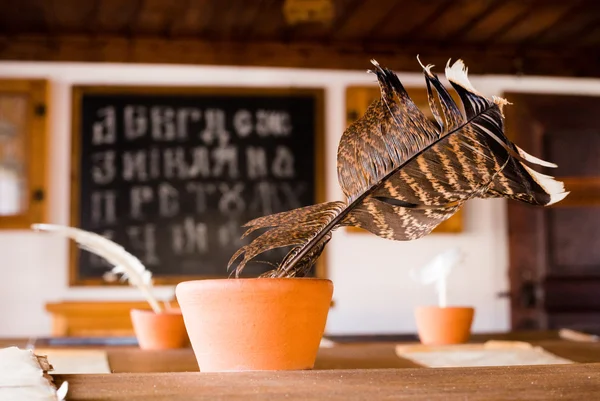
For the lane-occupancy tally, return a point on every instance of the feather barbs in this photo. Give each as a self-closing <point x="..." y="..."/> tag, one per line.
<point x="402" y="176"/>
<point x="131" y="268"/>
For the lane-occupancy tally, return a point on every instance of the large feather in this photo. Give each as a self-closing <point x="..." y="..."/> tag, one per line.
<point x="131" y="268"/>
<point x="402" y="174"/>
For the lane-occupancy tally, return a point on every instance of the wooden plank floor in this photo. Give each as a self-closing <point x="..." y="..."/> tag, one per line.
<point x="564" y="382"/>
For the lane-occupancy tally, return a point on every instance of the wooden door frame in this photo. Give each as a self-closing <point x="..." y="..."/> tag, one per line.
<point x="525" y="120"/>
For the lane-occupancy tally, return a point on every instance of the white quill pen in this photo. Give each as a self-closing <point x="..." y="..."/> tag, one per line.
<point x="437" y="271"/>
<point x="124" y="263"/>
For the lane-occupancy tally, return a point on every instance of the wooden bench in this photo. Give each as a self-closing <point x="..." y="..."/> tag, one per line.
<point x="93" y="318"/>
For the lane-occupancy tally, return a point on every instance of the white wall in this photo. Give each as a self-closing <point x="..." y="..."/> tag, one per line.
<point x="373" y="292"/>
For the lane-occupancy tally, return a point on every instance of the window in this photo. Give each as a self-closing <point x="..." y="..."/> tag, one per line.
<point x="22" y="152"/>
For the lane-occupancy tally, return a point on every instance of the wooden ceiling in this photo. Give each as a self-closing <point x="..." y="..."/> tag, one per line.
<point x="532" y="37"/>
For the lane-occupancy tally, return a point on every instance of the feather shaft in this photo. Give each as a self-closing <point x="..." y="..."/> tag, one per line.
<point x="124" y="262"/>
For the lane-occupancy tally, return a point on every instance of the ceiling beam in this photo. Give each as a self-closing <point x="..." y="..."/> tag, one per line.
<point x="501" y="59"/>
<point x="472" y="23"/>
<point x="437" y="13"/>
<point x="524" y="15"/>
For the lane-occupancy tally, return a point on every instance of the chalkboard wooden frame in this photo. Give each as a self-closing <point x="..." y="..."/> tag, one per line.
<point x="77" y="93"/>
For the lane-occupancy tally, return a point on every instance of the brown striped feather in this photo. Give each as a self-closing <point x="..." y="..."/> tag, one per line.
<point x="402" y="174"/>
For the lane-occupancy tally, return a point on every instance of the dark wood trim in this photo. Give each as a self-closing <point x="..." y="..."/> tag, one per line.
<point x="92" y="18"/>
<point x="469" y="25"/>
<point x="347" y="55"/>
<point x="526" y="224"/>
<point x="516" y="20"/>
<point x="320" y="163"/>
<point x="431" y="18"/>
<point x="79" y="90"/>
<point x="175" y="14"/>
<point x="134" y="17"/>
<point x="569" y="13"/>
<point x="347" y="13"/>
<point x="393" y="12"/>
<point x="527" y="118"/>
<point x="76" y="96"/>
<point x="578" y="33"/>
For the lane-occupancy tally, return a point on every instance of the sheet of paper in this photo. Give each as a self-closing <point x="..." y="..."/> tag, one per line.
<point x="23" y="377"/>
<point x="492" y="353"/>
<point x="76" y="361"/>
<point x="326" y="343"/>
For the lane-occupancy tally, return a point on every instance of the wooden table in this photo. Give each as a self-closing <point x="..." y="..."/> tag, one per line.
<point x="348" y="371"/>
<point x="350" y="353"/>
<point x="342" y="356"/>
<point x="578" y="382"/>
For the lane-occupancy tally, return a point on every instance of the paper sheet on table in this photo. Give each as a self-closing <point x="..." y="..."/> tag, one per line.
<point x="76" y="361"/>
<point x="491" y="353"/>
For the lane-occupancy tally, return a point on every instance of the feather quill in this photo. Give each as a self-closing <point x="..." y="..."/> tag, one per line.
<point x="402" y="174"/>
<point x="437" y="271"/>
<point x="126" y="264"/>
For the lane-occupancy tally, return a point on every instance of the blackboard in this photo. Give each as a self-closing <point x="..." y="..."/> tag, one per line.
<point x="172" y="174"/>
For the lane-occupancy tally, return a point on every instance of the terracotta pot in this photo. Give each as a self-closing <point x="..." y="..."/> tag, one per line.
<point x="441" y="326"/>
<point x="255" y="323"/>
<point x="159" y="330"/>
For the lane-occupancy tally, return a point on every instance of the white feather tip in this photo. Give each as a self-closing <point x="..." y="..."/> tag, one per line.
<point x="427" y="68"/>
<point x="535" y="160"/>
<point x="458" y="74"/>
<point x="61" y="393"/>
<point x="554" y="188"/>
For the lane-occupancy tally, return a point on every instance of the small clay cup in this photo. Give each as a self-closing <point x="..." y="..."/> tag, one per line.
<point x="444" y="325"/>
<point x="242" y="324"/>
<point x="156" y="331"/>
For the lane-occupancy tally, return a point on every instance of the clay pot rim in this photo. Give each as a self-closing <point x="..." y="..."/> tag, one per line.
<point x="233" y="282"/>
<point x="261" y="279"/>
<point x="172" y="311"/>
<point x="226" y="285"/>
<point x="452" y="307"/>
